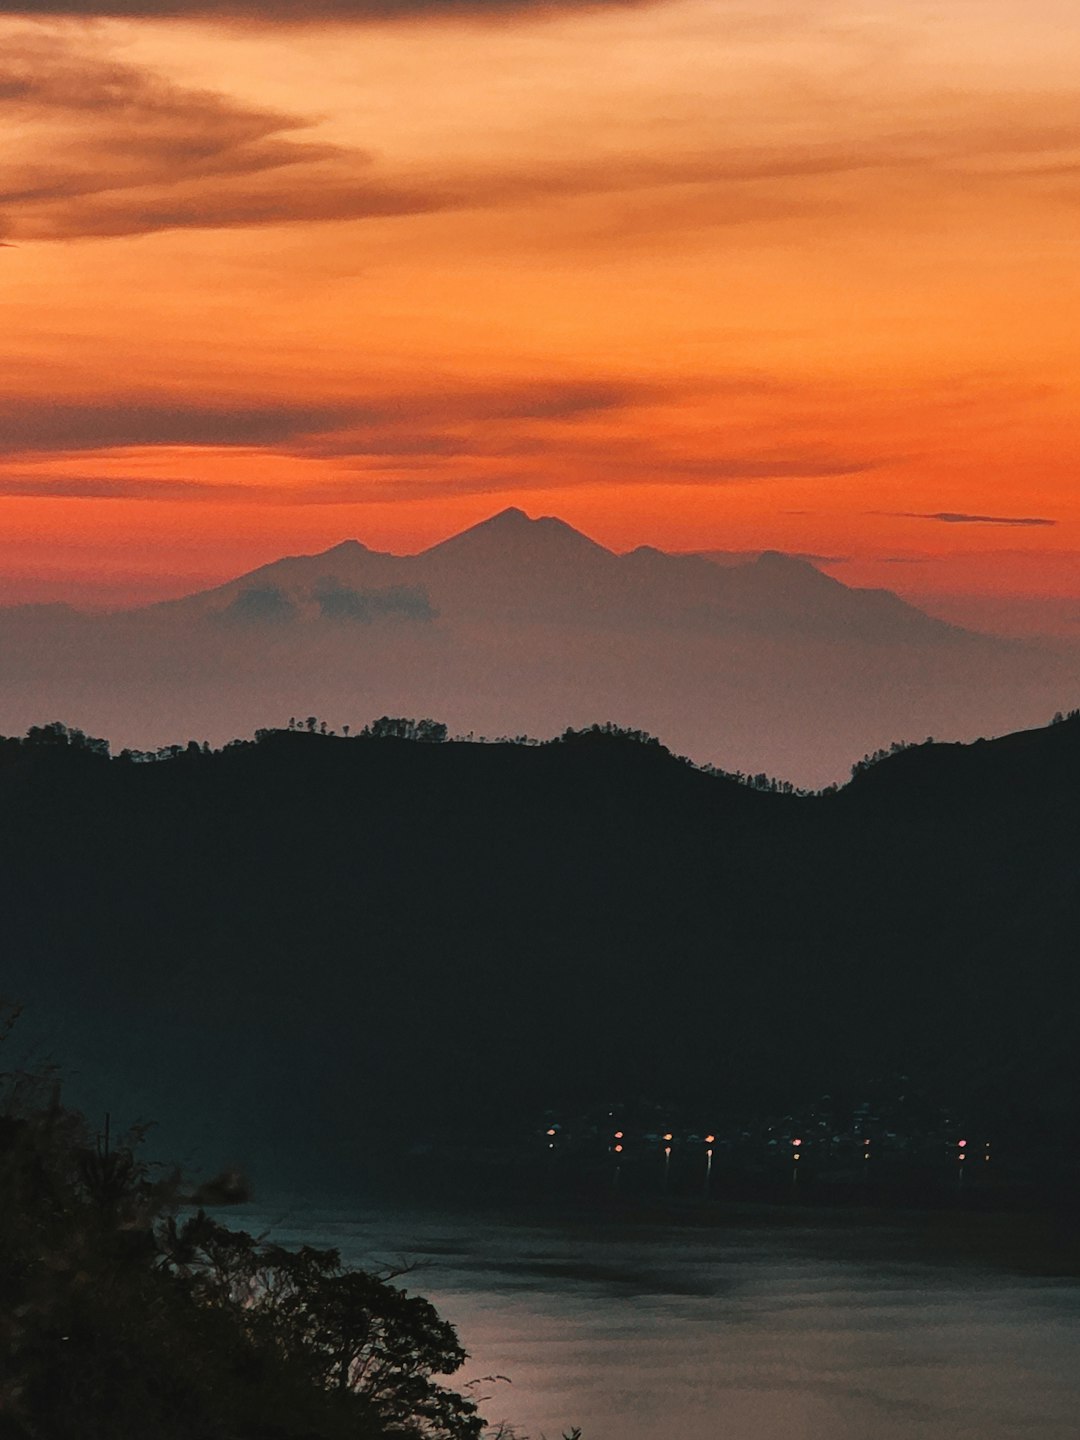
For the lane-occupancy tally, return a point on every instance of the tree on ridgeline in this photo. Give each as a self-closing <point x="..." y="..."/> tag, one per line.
<point x="398" y="728"/>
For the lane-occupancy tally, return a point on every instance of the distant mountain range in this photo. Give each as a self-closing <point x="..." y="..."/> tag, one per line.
<point x="519" y="625"/>
<point x="310" y="948"/>
<point x="513" y="569"/>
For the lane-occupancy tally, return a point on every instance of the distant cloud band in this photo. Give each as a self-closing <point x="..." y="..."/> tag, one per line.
<point x="290" y="12"/>
<point x="957" y="517"/>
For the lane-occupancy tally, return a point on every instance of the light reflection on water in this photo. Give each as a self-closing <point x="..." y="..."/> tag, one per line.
<point x="669" y="1333"/>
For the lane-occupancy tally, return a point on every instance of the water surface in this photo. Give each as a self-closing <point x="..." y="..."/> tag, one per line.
<point x="676" y="1332"/>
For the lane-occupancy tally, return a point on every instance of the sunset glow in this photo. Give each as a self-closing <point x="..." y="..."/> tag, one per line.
<point x="708" y="274"/>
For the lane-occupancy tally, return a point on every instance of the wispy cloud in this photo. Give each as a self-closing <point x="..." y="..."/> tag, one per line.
<point x="110" y="148"/>
<point x="115" y="487"/>
<point x="957" y="517"/>
<point x="289" y="12"/>
<point x="29" y="424"/>
<point x="396" y="424"/>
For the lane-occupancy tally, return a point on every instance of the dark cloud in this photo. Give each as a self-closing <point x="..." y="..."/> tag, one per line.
<point x="956" y="517"/>
<point x="28" y="425"/>
<point x="301" y="12"/>
<point x="110" y="149"/>
<point x="394" y="425"/>
<point x="537" y="435"/>
<point x="104" y="487"/>
<point x="394" y="602"/>
<point x="565" y="470"/>
<point x="260" y="605"/>
<point x="764" y="467"/>
<point x="409" y="425"/>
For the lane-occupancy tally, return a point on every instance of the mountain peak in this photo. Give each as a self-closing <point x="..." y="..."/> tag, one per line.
<point x="512" y="532"/>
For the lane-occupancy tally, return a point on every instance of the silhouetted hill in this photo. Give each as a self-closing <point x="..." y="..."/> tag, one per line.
<point x="313" y="941"/>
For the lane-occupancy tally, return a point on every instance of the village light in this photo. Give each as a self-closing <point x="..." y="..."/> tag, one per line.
<point x="710" y="1139"/>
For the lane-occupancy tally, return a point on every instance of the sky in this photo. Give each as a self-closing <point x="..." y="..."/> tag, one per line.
<point x="705" y="274"/>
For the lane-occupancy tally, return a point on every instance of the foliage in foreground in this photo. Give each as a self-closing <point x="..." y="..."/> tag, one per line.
<point x="119" y="1318"/>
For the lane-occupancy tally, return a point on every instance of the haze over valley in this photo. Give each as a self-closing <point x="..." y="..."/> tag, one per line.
<point x="525" y="626"/>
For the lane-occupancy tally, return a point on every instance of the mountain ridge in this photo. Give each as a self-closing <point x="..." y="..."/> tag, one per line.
<point x="361" y="938"/>
<point x="518" y="625"/>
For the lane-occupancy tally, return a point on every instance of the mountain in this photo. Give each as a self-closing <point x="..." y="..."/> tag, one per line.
<point x="321" y="947"/>
<point x="526" y="625"/>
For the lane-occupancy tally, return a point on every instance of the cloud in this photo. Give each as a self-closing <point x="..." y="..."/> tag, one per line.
<point x="302" y="12"/>
<point x="108" y="148"/>
<point x="260" y="605"/>
<point x="454" y="439"/>
<point x="476" y="421"/>
<point x="121" y="421"/>
<point x="572" y="469"/>
<point x="392" y="425"/>
<point x="106" y="487"/>
<point x="343" y="602"/>
<point x="955" y="517"/>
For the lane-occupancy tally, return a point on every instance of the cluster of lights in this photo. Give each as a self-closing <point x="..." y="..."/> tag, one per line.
<point x="797" y="1143"/>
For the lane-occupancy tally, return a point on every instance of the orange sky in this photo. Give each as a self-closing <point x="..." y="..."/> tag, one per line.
<point x="711" y="274"/>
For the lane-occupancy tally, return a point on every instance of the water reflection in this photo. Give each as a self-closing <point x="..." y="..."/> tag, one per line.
<point x="666" y="1333"/>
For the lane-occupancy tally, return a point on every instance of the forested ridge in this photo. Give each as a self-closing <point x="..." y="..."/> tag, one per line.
<point x="313" y="942"/>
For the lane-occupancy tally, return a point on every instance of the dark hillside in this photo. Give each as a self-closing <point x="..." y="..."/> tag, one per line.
<point x="310" y="941"/>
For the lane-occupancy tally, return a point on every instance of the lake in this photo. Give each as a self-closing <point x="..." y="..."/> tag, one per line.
<point x="805" y="1330"/>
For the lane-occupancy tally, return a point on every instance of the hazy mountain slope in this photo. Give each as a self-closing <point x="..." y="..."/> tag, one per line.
<point x="522" y="625"/>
